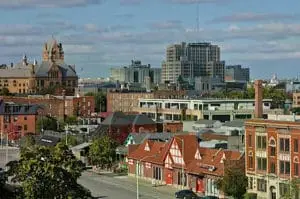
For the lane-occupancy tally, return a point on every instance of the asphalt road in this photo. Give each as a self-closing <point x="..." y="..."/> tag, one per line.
<point x="13" y="154"/>
<point x="103" y="186"/>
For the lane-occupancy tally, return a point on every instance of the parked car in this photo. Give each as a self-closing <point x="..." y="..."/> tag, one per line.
<point x="186" y="194"/>
<point x="209" y="197"/>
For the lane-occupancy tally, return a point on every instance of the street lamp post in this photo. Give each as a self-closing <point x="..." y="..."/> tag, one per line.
<point x="137" y="174"/>
<point x="182" y="168"/>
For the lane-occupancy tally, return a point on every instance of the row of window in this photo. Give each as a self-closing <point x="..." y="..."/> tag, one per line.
<point x="262" y="186"/>
<point x="284" y="144"/>
<point x="284" y="166"/>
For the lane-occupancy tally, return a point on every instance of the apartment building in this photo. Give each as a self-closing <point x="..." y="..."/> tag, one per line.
<point x="236" y="73"/>
<point x="272" y="156"/>
<point x="192" y="60"/>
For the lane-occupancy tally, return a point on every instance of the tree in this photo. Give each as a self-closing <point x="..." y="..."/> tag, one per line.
<point x="71" y="140"/>
<point x="71" y="120"/>
<point x="45" y="172"/>
<point x="234" y="183"/>
<point x="5" y="92"/>
<point x="292" y="190"/>
<point x="100" y="101"/>
<point x="102" y="152"/>
<point x="49" y="123"/>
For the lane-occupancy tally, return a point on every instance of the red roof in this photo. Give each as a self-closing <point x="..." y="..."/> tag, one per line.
<point x="212" y="161"/>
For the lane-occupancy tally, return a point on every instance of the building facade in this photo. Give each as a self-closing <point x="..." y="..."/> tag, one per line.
<point x="272" y="156"/>
<point x="195" y="109"/>
<point x="51" y="75"/>
<point x="182" y="163"/>
<point x="296" y="100"/>
<point x="192" y="60"/>
<point x="236" y="73"/>
<point x="58" y="106"/>
<point x="127" y="101"/>
<point x="18" y="120"/>
<point x="136" y="73"/>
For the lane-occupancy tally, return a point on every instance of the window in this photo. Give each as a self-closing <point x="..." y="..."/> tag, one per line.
<point x="284" y="144"/>
<point x="250" y="140"/>
<point x="25" y="127"/>
<point x="261" y="185"/>
<point x="296" y="145"/>
<point x="25" y="118"/>
<point x="296" y="169"/>
<point x="284" y="167"/>
<point x="250" y="159"/>
<point x="283" y="188"/>
<point x="262" y="164"/>
<point x="261" y="142"/>
<point x="273" y="151"/>
<point x="273" y="168"/>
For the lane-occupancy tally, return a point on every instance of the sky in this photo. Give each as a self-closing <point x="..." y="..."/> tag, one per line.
<point x="100" y="34"/>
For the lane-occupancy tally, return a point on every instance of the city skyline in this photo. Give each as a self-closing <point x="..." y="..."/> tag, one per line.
<point x="100" y="34"/>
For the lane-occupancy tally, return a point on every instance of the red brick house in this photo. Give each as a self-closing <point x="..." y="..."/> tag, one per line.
<point x="181" y="162"/>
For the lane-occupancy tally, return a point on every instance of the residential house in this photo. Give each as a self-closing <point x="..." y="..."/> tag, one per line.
<point x="118" y="126"/>
<point x="181" y="162"/>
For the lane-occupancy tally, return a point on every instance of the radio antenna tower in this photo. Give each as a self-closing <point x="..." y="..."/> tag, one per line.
<point x="197" y="19"/>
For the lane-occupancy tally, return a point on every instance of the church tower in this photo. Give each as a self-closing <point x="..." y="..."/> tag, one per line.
<point x="53" y="51"/>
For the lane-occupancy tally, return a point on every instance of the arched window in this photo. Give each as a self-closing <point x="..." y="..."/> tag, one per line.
<point x="272" y="142"/>
<point x="296" y="160"/>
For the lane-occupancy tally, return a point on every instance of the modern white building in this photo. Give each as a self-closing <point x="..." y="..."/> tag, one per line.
<point x="195" y="109"/>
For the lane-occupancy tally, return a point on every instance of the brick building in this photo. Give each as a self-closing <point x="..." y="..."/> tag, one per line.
<point x="18" y="119"/>
<point x="181" y="162"/>
<point x="272" y="156"/>
<point x="125" y="101"/>
<point x="118" y="126"/>
<point x="58" y="106"/>
<point x="52" y="74"/>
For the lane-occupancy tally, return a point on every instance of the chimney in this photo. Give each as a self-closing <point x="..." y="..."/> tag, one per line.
<point x="258" y="98"/>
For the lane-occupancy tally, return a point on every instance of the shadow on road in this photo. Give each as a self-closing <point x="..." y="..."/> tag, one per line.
<point x="100" y="197"/>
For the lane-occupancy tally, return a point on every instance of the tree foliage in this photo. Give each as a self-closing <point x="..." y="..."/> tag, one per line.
<point x="49" y="123"/>
<point x="234" y="183"/>
<point x="100" y="100"/>
<point x="45" y="172"/>
<point x="71" y="120"/>
<point x="102" y="152"/>
<point x="5" y="92"/>
<point x="71" y="140"/>
<point x="292" y="190"/>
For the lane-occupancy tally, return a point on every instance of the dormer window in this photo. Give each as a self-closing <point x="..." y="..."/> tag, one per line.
<point x="147" y="148"/>
<point x="198" y="155"/>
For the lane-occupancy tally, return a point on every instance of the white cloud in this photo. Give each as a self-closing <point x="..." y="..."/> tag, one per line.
<point x="254" y="17"/>
<point x="46" y="3"/>
<point x="169" y="24"/>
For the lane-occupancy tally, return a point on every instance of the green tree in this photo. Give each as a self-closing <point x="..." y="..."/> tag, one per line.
<point x="292" y="190"/>
<point x="234" y="183"/>
<point x="49" y="123"/>
<point x="45" y="173"/>
<point x="71" y="120"/>
<point x="102" y="152"/>
<point x="100" y="100"/>
<point x="71" y="140"/>
<point x="5" y="92"/>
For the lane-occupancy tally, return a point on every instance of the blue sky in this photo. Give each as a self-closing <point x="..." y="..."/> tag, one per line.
<point x="99" y="34"/>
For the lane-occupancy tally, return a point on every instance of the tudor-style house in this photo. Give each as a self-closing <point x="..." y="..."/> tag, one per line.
<point x="272" y="156"/>
<point x="52" y="72"/>
<point x="181" y="162"/>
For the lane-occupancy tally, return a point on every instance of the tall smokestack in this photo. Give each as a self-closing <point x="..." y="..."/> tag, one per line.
<point x="258" y="99"/>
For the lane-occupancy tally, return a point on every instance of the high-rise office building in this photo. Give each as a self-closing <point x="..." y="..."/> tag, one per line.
<point x="237" y="74"/>
<point x="192" y="60"/>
